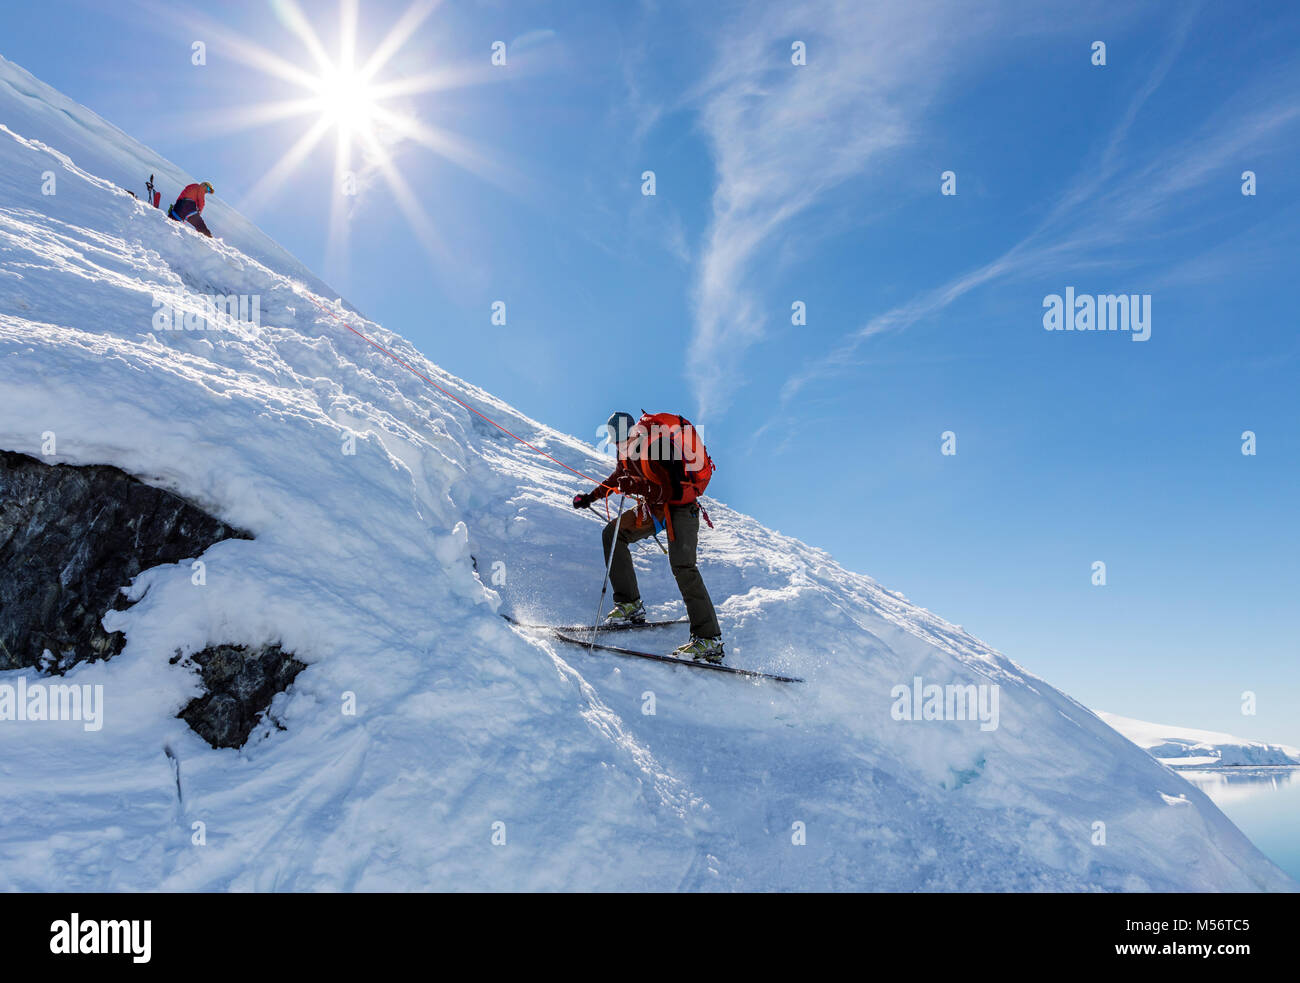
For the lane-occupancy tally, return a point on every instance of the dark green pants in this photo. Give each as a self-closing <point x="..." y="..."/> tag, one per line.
<point x="681" y="556"/>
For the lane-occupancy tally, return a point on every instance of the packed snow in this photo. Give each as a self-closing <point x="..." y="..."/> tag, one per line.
<point x="480" y="756"/>
<point x="1181" y="747"/>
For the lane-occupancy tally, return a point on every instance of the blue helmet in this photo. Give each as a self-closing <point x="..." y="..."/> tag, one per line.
<point x="619" y="425"/>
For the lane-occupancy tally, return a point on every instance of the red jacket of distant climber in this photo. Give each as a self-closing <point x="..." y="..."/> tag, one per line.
<point x="195" y="193"/>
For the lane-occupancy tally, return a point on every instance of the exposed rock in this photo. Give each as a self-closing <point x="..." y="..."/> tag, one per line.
<point x="70" y="538"/>
<point x="240" y="683"/>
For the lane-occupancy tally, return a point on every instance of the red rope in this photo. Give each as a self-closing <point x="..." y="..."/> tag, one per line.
<point x="452" y="396"/>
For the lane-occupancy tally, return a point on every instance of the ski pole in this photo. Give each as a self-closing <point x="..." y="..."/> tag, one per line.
<point x="609" y="565"/>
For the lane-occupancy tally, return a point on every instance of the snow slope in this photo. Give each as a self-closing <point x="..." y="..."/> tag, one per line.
<point x="1185" y="748"/>
<point x="362" y="566"/>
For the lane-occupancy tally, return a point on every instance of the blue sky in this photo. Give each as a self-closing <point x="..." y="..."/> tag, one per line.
<point x="820" y="183"/>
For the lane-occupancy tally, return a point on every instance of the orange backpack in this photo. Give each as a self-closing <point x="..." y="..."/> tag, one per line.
<point x="681" y="433"/>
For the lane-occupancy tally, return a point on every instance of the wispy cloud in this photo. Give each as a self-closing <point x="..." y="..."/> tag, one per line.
<point x="1116" y="200"/>
<point x="782" y="136"/>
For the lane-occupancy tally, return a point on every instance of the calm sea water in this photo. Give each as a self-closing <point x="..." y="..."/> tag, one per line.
<point x="1265" y="805"/>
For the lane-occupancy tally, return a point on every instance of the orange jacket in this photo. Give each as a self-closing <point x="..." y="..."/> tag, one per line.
<point x="195" y="193"/>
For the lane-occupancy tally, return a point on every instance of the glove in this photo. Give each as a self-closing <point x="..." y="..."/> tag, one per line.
<point x="581" y="501"/>
<point x="631" y="485"/>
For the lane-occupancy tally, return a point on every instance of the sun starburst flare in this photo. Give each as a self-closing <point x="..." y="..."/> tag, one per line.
<point x="357" y="105"/>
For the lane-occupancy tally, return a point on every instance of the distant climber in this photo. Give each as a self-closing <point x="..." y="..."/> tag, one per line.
<point x="663" y="463"/>
<point x="189" y="206"/>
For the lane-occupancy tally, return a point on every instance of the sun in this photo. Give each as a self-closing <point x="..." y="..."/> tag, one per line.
<point x="348" y="97"/>
<point x="345" y="100"/>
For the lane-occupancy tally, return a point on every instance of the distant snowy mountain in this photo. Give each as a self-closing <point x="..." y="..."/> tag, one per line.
<point x="1181" y="747"/>
<point x="479" y="756"/>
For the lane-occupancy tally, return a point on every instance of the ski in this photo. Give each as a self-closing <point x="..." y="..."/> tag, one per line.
<point x="572" y="628"/>
<point x="563" y="633"/>
<point x="751" y="673"/>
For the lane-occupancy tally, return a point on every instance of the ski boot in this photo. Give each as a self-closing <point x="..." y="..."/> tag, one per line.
<point x="701" y="650"/>
<point x="629" y="613"/>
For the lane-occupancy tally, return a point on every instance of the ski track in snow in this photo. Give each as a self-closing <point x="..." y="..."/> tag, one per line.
<point x="362" y="567"/>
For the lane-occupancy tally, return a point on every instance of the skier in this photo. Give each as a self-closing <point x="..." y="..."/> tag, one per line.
<point x="189" y="206"/>
<point x="662" y="462"/>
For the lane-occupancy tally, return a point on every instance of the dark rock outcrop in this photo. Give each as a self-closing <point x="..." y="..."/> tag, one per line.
<point x="241" y="682"/>
<point x="70" y="538"/>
